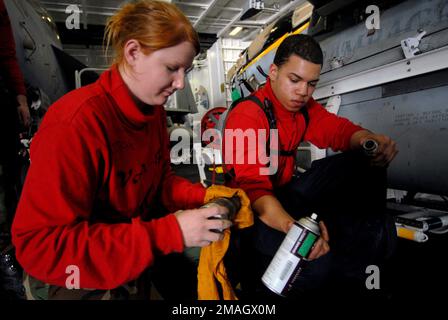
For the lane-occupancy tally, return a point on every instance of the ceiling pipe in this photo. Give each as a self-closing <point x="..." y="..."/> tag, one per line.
<point x="230" y="24"/>
<point x="283" y="10"/>
<point x="286" y="8"/>
<point x="63" y="5"/>
<point x="215" y="24"/>
<point x="247" y="23"/>
<point x="204" y="6"/>
<point x="96" y="13"/>
<point x="224" y="22"/>
<point x="191" y="4"/>
<point x="205" y="13"/>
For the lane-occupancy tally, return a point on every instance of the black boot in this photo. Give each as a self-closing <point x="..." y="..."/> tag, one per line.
<point x="11" y="287"/>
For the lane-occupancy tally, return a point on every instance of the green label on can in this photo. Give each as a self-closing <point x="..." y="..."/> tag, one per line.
<point x="307" y="244"/>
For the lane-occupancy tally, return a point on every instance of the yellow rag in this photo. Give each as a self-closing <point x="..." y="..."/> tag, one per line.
<point x="211" y="264"/>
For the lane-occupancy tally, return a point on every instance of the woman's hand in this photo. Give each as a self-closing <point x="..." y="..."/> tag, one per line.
<point x="199" y="226"/>
<point x="23" y="111"/>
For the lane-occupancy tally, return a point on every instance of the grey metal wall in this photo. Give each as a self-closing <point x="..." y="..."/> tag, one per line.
<point x="417" y="121"/>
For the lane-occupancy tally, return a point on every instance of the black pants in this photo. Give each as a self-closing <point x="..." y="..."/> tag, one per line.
<point x="10" y="272"/>
<point x="349" y="196"/>
<point x="9" y="159"/>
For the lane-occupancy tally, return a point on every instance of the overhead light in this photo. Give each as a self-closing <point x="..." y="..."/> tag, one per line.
<point x="235" y="31"/>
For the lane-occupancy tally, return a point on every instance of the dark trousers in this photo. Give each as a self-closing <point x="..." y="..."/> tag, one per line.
<point x="349" y="195"/>
<point x="10" y="271"/>
<point x="9" y="159"/>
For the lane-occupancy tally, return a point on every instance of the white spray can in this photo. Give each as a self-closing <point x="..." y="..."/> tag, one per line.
<point x="292" y="255"/>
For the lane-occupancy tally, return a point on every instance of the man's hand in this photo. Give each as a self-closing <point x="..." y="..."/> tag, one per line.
<point x="196" y="225"/>
<point x="321" y="247"/>
<point x="386" y="152"/>
<point x="23" y="111"/>
<point x="387" y="148"/>
<point x="271" y="212"/>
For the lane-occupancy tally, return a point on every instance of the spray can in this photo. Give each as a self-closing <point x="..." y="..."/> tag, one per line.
<point x="292" y="255"/>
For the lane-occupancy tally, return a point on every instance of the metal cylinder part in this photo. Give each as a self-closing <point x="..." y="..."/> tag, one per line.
<point x="370" y="147"/>
<point x="232" y="204"/>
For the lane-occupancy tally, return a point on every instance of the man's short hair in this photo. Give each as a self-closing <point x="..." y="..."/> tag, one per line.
<point x="302" y="45"/>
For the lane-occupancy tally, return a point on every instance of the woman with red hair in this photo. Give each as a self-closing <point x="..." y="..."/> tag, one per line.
<point x="100" y="166"/>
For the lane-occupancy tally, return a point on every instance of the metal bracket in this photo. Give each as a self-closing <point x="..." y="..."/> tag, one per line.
<point x="333" y="104"/>
<point x="336" y="63"/>
<point x="410" y="45"/>
<point x="420" y="64"/>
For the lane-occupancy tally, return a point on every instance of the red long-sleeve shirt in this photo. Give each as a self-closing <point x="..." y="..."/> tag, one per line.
<point x="9" y="67"/>
<point x="325" y="130"/>
<point x="97" y="164"/>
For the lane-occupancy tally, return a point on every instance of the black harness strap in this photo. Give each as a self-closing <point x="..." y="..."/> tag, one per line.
<point x="269" y="112"/>
<point x="247" y="85"/>
<point x="260" y="69"/>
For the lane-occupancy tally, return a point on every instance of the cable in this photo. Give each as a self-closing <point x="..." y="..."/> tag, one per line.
<point x="439" y="231"/>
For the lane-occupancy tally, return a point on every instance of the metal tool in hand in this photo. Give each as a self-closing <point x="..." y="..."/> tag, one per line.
<point x="232" y="204"/>
<point x="370" y="147"/>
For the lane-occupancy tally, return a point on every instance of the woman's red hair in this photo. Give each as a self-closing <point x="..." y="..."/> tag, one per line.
<point x="154" y="24"/>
